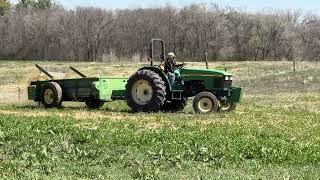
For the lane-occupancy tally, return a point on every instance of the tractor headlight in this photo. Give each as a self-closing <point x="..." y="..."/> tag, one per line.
<point x="228" y="78"/>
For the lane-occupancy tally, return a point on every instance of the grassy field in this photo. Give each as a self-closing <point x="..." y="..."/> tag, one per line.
<point x="274" y="134"/>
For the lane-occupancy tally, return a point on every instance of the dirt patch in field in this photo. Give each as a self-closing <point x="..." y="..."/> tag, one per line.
<point x="153" y="125"/>
<point x="7" y="112"/>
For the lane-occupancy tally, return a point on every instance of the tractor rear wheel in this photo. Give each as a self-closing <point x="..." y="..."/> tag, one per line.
<point x="51" y="95"/>
<point x="145" y="91"/>
<point x="205" y="102"/>
<point x="94" y="103"/>
<point x="175" y="105"/>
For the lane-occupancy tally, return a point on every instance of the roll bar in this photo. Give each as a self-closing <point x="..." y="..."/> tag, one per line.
<point x="151" y="53"/>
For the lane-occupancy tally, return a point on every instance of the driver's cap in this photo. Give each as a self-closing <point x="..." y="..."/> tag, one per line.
<point x="171" y="54"/>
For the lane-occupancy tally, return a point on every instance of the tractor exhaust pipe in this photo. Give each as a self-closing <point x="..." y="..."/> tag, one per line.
<point x="206" y="59"/>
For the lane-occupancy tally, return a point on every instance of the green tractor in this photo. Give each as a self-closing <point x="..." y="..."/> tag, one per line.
<point x="150" y="90"/>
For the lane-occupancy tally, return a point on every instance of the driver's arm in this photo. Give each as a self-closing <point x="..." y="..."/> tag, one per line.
<point x="175" y="63"/>
<point x="180" y="65"/>
<point x="162" y="65"/>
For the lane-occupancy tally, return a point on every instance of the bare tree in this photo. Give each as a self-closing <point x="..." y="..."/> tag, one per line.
<point x="50" y="32"/>
<point x="95" y="26"/>
<point x="4" y="6"/>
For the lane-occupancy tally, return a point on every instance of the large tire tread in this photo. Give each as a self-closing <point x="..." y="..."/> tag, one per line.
<point x="158" y="86"/>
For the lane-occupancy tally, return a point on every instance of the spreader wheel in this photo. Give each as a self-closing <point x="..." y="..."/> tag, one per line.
<point x="51" y="95"/>
<point x="205" y="102"/>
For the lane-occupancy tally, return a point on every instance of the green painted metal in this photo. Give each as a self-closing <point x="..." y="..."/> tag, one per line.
<point x="105" y="89"/>
<point x="32" y="91"/>
<point x="109" y="87"/>
<point x="190" y="72"/>
<point x="236" y="94"/>
<point x="213" y="79"/>
<point x="73" y="89"/>
<point x="177" y="73"/>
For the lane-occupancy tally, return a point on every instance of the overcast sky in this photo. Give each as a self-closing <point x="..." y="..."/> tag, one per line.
<point x="251" y="5"/>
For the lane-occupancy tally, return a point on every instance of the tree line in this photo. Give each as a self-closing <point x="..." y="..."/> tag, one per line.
<point x="44" y="30"/>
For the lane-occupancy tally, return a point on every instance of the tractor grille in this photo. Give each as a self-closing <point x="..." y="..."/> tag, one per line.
<point x="227" y="84"/>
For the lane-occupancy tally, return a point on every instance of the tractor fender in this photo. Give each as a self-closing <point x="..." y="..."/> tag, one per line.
<point x="161" y="74"/>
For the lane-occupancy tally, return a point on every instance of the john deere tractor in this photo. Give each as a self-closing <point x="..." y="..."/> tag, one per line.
<point x="150" y="90"/>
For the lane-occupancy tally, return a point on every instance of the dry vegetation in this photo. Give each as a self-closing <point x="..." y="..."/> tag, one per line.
<point x="256" y="77"/>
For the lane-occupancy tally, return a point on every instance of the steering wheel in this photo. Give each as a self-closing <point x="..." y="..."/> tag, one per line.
<point x="180" y="66"/>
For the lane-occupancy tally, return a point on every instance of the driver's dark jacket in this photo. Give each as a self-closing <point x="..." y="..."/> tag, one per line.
<point x="170" y="66"/>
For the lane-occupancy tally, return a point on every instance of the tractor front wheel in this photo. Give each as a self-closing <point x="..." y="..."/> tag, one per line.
<point x="205" y="102"/>
<point x="226" y="106"/>
<point x="145" y="91"/>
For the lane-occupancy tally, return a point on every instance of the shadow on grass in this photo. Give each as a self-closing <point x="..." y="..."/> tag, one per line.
<point x="65" y="108"/>
<point x="78" y="107"/>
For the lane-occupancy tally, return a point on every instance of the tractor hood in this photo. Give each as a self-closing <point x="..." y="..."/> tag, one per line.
<point x="203" y="72"/>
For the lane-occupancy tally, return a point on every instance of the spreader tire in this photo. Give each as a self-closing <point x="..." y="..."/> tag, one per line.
<point x="94" y="103"/>
<point x="205" y="102"/>
<point x="145" y="91"/>
<point x="51" y="95"/>
<point x="175" y="105"/>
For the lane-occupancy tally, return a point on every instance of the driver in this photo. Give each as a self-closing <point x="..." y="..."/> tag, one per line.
<point x="169" y="66"/>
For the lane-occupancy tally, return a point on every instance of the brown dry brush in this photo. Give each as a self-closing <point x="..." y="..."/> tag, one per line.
<point x="95" y="34"/>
